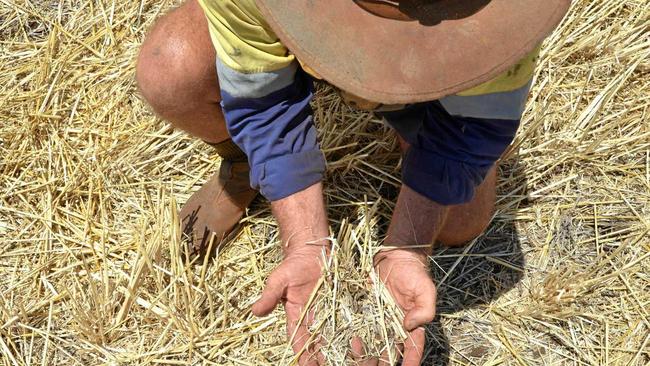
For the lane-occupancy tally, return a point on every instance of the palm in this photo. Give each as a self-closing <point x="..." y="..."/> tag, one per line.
<point x="292" y="284"/>
<point x="302" y="278"/>
<point x="405" y="284"/>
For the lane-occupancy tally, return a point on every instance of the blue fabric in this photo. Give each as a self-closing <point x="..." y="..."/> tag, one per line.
<point x="449" y="155"/>
<point x="277" y="134"/>
<point x="406" y="122"/>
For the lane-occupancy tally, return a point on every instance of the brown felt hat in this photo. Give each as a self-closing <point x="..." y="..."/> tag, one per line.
<point x="411" y="50"/>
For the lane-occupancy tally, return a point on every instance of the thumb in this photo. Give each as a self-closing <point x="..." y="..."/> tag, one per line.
<point x="271" y="295"/>
<point x="424" y="309"/>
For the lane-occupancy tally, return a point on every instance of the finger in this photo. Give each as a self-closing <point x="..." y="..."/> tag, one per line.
<point x="414" y="348"/>
<point x="317" y="351"/>
<point x="384" y="359"/>
<point x="309" y="353"/>
<point x="357" y="349"/>
<point x="306" y="347"/>
<point x="311" y="357"/>
<point x="272" y="294"/>
<point x="424" y="310"/>
<point x="299" y="335"/>
<point x="359" y="353"/>
<point x="317" y="341"/>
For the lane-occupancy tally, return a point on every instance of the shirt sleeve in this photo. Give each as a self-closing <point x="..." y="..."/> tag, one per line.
<point x="455" y="141"/>
<point x="265" y="99"/>
<point x="269" y="117"/>
<point x="242" y="38"/>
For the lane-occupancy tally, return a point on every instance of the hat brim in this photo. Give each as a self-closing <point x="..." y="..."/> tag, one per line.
<point x="392" y="61"/>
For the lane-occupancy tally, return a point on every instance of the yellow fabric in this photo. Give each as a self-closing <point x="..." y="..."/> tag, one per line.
<point x="516" y="77"/>
<point x="242" y="38"/>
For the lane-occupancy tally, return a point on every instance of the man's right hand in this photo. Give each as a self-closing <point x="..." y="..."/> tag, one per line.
<point x="292" y="284"/>
<point x="304" y="233"/>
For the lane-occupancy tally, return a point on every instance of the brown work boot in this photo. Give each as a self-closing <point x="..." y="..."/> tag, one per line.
<point x="216" y="208"/>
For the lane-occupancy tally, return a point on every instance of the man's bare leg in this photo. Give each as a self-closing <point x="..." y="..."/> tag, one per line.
<point x="177" y="74"/>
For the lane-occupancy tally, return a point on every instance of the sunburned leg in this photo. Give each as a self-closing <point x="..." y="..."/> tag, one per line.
<point x="176" y="73"/>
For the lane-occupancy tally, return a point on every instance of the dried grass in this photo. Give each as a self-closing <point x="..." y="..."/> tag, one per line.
<point x="90" y="180"/>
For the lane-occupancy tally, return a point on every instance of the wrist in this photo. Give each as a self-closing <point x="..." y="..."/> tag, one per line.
<point x="309" y="248"/>
<point x="415" y="254"/>
<point x="303" y="222"/>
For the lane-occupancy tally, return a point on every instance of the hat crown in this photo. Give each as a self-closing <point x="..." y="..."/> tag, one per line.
<point x="427" y="12"/>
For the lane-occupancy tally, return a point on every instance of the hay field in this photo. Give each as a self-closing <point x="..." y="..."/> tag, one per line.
<point x="90" y="183"/>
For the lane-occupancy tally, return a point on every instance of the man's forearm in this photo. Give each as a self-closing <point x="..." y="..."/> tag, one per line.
<point x="304" y="233"/>
<point x="416" y="220"/>
<point x="303" y="220"/>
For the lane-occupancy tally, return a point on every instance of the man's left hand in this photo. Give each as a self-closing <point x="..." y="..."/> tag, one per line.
<point x="406" y="275"/>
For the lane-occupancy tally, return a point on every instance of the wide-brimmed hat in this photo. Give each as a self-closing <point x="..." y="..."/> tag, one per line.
<point x="411" y="50"/>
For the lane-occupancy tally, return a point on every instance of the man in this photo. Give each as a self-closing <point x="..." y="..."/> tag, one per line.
<point x="451" y="77"/>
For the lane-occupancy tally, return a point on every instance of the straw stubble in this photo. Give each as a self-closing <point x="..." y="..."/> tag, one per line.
<point x="91" y="182"/>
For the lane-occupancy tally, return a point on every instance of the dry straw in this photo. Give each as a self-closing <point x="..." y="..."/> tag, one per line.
<point x="90" y="183"/>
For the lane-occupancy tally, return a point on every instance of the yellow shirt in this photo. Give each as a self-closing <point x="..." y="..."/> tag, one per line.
<point x="242" y="38"/>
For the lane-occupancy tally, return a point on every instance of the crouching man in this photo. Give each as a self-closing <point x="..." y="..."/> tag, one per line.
<point x="451" y="77"/>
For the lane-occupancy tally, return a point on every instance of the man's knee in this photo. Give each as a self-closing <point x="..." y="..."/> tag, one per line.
<point x="173" y="62"/>
<point x="160" y="71"/>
